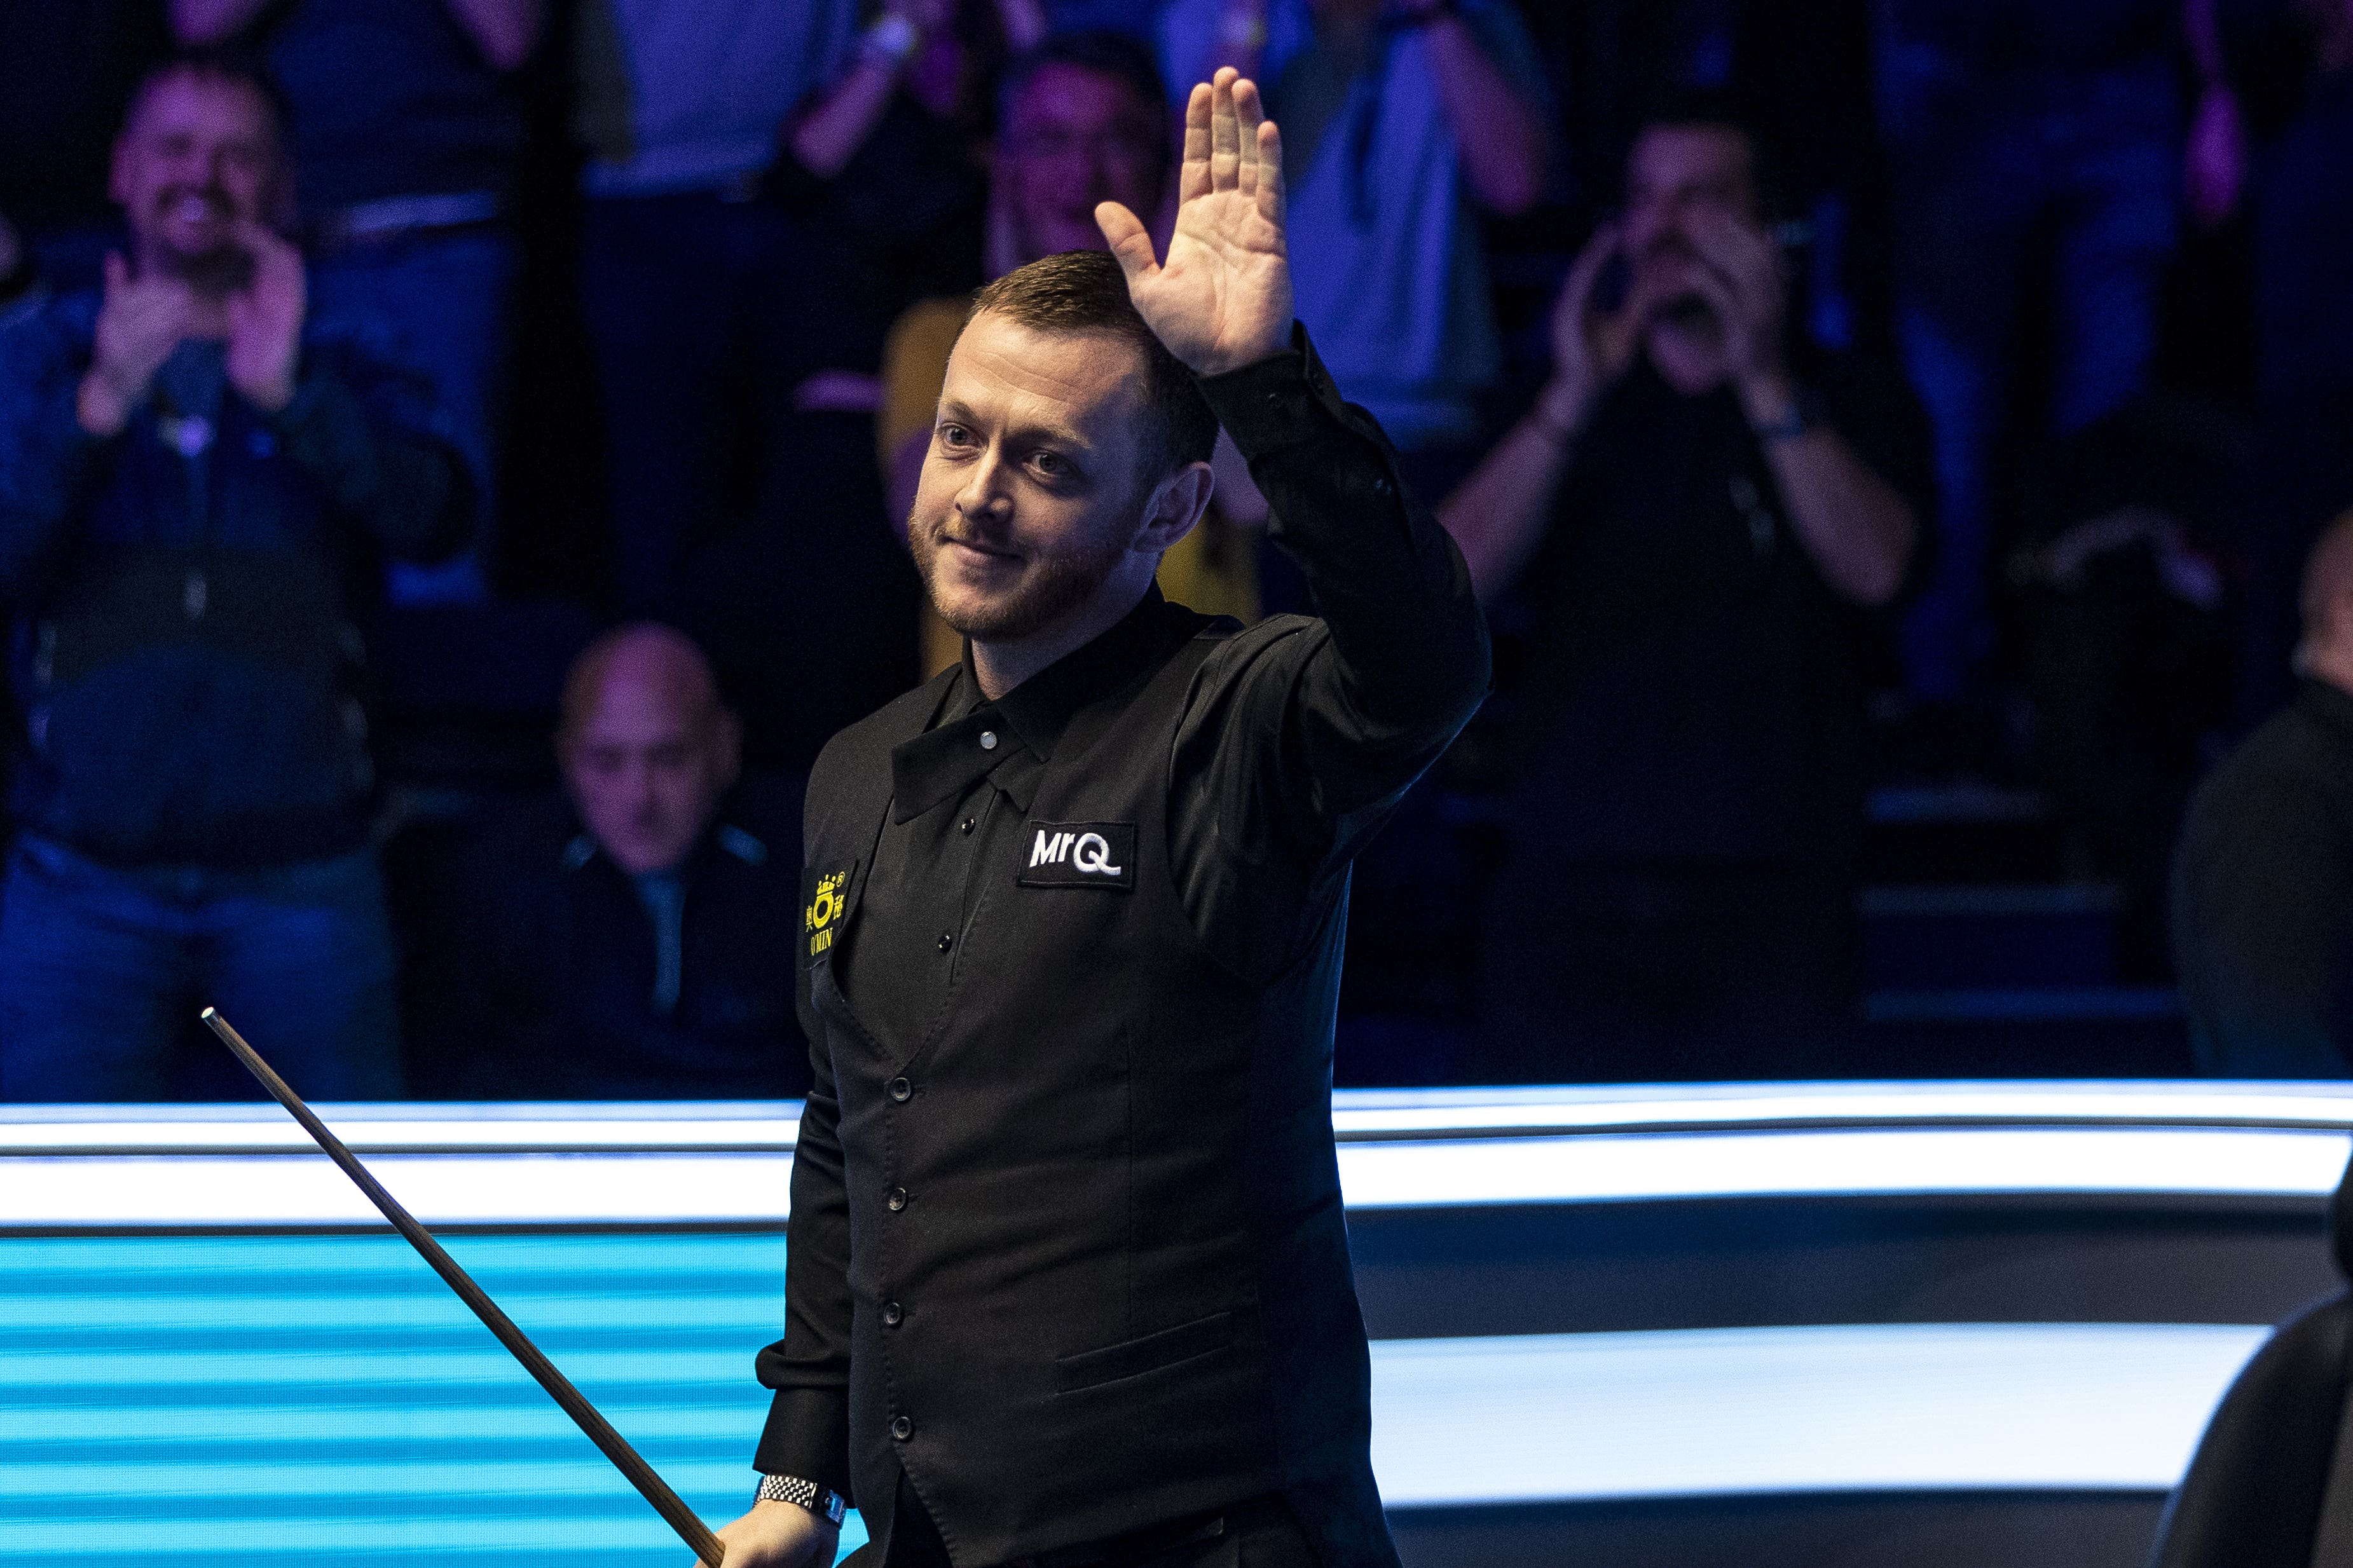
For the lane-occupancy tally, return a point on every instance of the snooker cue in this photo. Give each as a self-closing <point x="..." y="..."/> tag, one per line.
<point x="667" y="1503"/>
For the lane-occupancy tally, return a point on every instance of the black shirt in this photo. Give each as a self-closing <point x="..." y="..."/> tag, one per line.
<point x="2263" y="899"/>
<point x="1694" y="689"/>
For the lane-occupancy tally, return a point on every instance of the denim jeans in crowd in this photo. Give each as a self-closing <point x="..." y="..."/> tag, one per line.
<point x="2066" y="188"/>
<point x="102" y="968"/>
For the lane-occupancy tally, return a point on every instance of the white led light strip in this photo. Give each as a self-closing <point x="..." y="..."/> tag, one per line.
<point x="294" y="1188"/>
<point x="1727" y="1412"/>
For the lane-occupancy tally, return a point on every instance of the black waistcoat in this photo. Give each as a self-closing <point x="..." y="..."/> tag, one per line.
<point x="1099" y="1199"/>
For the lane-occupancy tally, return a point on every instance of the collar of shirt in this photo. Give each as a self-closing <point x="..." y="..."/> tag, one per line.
<point x="1026" y="722"/>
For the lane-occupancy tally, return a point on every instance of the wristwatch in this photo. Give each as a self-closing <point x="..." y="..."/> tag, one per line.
<point x="822" y="1501"/>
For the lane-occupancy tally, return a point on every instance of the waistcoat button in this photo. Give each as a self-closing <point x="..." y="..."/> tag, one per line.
<point x="892" y="1313"/>
<point x="988" y="740"/>
<point x="895" y="1199"/>
<point x="947" y="941"/>
<point x="966" y="825"/>
<point x="901" y="1429"/>
<point x="902" y="1090"/>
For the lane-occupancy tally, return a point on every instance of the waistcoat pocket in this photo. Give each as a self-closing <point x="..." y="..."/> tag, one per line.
<point x="1150" y="1353"/>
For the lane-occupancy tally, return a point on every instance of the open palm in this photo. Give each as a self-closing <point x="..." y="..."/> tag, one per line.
<point x="1222" y="300"/>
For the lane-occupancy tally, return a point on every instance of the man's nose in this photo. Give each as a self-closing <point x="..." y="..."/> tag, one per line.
<point x="984" y="493"/>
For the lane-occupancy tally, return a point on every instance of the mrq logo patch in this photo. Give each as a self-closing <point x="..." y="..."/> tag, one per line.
<point x="1079" y="854"/>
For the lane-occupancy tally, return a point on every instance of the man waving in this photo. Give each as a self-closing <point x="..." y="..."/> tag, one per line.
<point x="1069" y="1284"/>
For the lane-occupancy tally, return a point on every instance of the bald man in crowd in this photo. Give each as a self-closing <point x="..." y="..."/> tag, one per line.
<point x="630" y="939"/>
<point x="2262" y="882"/>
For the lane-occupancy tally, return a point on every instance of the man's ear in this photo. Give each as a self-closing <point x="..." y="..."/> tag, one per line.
<point x="1177" y="505"/>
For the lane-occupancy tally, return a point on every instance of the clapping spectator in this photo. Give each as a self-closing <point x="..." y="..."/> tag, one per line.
<point x="634" y="939"/>
<point x="1699" y="518"/>
<point x="406" y="138"/>
<point x="196" y="472"/>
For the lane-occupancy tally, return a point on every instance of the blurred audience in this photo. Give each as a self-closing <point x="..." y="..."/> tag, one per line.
<point x="1402" y="125"/>
<point x="66" y="72"/>
<point x="2125" y="616"/>
<point x="697" y="291"/>
<point x="2262" y="887"/>
<point x="254" y="356"/>
<point x="198" y="473"/>
<point x="632" y="940"/>
<point x="2289" y="148"/>
<point x="2034" y="154"/>
<point x="1701" y="516"/>
<point x="885" y="167"/>
<point x="1083" y="122"/>
<point x="404" y="175"/>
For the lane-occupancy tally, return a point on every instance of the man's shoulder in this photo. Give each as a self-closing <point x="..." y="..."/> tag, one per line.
<point x="2296" y="765"/>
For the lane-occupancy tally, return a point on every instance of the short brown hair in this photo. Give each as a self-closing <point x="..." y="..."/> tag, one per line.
<point x="1086" y="291"/>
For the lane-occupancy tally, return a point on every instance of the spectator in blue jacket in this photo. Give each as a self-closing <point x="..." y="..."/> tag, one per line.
<point x="197" y="480"/>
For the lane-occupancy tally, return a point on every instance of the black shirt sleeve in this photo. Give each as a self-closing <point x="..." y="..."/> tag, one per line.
<point x="1303" y="734"/>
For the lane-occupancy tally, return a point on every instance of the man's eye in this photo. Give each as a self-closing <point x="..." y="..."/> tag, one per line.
<point x="954" y="436"/>
<point x="1051" y="464"/>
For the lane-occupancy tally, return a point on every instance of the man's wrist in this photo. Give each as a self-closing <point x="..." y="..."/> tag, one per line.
<point x="1561" y="411"/>
<point x="1768" y="398"/>
<point x="793" y="1492"/>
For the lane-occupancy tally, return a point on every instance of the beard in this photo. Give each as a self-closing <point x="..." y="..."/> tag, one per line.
<point x="1053" y="585"/>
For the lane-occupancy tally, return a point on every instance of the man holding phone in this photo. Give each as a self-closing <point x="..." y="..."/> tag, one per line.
<point x="1700" y="517"/>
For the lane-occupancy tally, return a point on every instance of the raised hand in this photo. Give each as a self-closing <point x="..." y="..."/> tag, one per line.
<point x="1222" y="300"/>
<point x="1739" y="275"/>
<point x="140" y="322"/>
<point x="265" y="321"/>
<point x="1591" y="348"/>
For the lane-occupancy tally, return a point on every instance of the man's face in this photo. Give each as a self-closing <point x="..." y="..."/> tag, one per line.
<point x="1073" y="138"/>
<point x="646" y="767"/>
<point x="1032" y="493"/>
<point x="1672" y="173"/>
<point x="199" y="155"/>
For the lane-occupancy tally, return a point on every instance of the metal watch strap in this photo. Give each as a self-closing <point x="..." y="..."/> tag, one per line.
<point x="822" y="1501"/>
